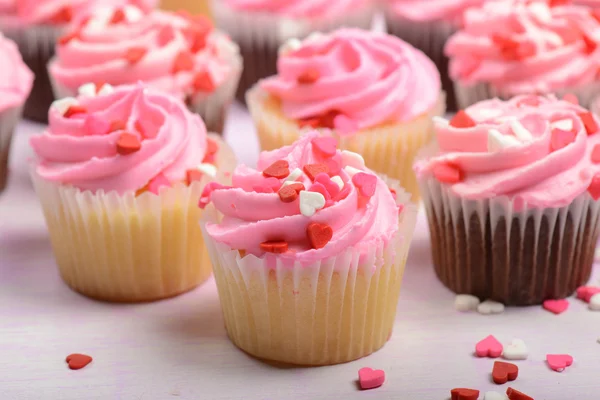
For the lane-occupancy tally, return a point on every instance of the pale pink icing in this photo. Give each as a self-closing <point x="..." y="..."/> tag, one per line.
<point x="557" y="47"/>
<point x="174" y="141"/>
<point x="16" y="79"/>
<point x="530" y="173"/>
<point x="251" y="218"/>
<point x="369" y="77"/>
<point x="298" y="8"/>
<point x="432" y="10"/>
<point x="98" y="53"/>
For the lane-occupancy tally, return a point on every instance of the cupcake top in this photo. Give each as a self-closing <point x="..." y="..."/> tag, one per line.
<point x="538" y="151"/>
<point x="526" y="46"/>
<point x="353" y="79"/>
<point x="297" y="8"/>
<point x="177" y="53"/>
<point x="432" y="10"/>
<point x="305" y="202"/>
<point x="16" y="79"/>
<point x="126" y="139"/>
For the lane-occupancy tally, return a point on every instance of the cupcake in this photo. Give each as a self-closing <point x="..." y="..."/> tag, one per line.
<point x="309" y="252"/>
<point x="377" y="94"/>
<point x="507" y="48"/>
<point x="36" y="25"/>
<point x="119" y="176"/>
<point x="15" y="84"/>
<point x="512" y="197"/>
<point x="427" y="24"/>
<point x="261" y="27"/>
<point x="176" y="53"/>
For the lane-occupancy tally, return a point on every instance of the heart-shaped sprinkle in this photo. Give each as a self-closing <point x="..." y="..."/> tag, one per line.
<point x="343" y="193"/>
<point x="117" y="17"/>
<point x="274" y="246"/>
<point x="87" y="89"/>
<point x="558" y="362"/>
<point x="63" y="16"/>
<point x="289" y="193"/>
<point x="585" y="293"/>
<point x="556" y="306"/>
<point x="345" y="125"/>
<point x="209" y="169"/>
<point x="352" y="159"/>
<point x="514" y="394"/>
<point x="165" y="35"/>
<point x="489" y="347"/>
<point x="318" y="234"/>
<point x="134" y="54"/>
<point x="596" y="154"/>
<point x="594" y="304"/>
<point x="365" y="183"/>
<point x="503" y="372"/>
<point x="328" y="120"/>
<point x="490" y="307"/>
<point x="466" y="302"/>
<point x="494" y="396"/>
<point x="312" y="170"/>
<point x="325" y="146"/>
<point x="78" y="361"/>
<point x="293" y="176"/>
<point x="309" y="76"/>
<point x="447" y="173"/>
<point x="338" y="181"/>
<point x="157" y="182"/>
<point x="516" y="350"/>
<point x="65" y="39"/>
<point x="561" y="139"/>
<point x="319" y="188"/>
<point x="193" y="175"/>
<point x="590" y="45"/>
<point x="589" y="122"/>
<point x="203" y="82"/>
<point x="571" y="98"/>
<point x="103" y="89"/>
<point x="332" y="187"/>
<point x="309" y="122"/>
<point x="462" y="120"/>
<point x="279" y="169"/>
<point x="565" y="124"/>
<point x="94" y="125"/>
<point x="370" y="378"/>
<point x="74" y="110"/>
<point x="594" y="188"/>
<point x="334" y="164"/>
<point x="464" y="394"/>
<point x="184" y="61"/>
<point x="128" y="143"/>
<point x="311" y="202"/>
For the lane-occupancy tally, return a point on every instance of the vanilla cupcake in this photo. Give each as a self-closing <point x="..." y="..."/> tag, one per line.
<point x="308" y="252"/>
<point x="508" y="48"/>
<point x="376" y="94"/>
<point x="177" y="53"/>
<point x="512" y="194"/>
<point x="119" y="176"/>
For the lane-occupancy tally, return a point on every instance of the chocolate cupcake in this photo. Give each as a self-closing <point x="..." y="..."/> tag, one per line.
<point x="511" y="192"/>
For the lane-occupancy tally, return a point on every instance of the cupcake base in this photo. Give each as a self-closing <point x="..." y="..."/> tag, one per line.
<point x="8" y="122"/>
<point x="490" y="250"/>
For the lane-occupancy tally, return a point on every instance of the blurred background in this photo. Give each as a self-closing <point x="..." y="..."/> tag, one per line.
<point x="194" y="6"/>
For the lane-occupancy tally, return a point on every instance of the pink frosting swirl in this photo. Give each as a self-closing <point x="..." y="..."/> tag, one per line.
<point x="526" y="47"/>
<point x="538" y="151"/>
<point x="83" y="149"/>
<point x="369" y="77"/>
<point x="253" y="215"/>
<point x="16" y="79"/>
<point x="171" y="52"/>
<point x="432" y="10"/>
<point x="298" y="8"/>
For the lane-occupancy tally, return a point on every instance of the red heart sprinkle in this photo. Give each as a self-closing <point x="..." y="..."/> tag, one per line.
<point x="279" y="169"/>
<point x="211" y="146"/>
<point x="183" y="62"/>
<point x="135" y="54"/>
<point x="64" y="15"/>
<point x="203" y="82"/>
<point x="99" y="86"/>
<point x="503" y="372"/>
<point x="311" y="122"/>
<point x="589" y="122"/>
<point x="561" y="139"/>
<point x="117" y="17"/>
<point x="514" y="394"/>
<point x="78" y="361"/>
<point x="464" y="394"/>
<point x="328" y="120"/>
<point x="309" y="76"/>
<point x="365" y="183"/>
<point x="165" y="35"/>
<point x="571" y="98"/>
<point x="594" y="187"/>
<point x="447" y="173"/>
<point x="65" y="39"/>
<point x="75" y="109"/>
<point x="590" y="45"/>
<point x="462" y="120"/>
<point x="319" y="234"/>
<point x="193" y="175"/>
<point x="289" y="193"/>
<point x="312" y="170"/>
<point x="274" y="246"/>
<point x="128" y="143"/>
<point x="596" y="154"/>
<point x="325" y="146"/>
<point x="117" y="126"/>
<point x="370" y="378"/>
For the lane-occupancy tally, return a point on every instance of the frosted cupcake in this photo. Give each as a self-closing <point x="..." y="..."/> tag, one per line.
<point x="427" y="24"/>
<point x="375" y="92"/>
<point x="176" y="53"/>
<point x="15" y="84"/>
<point x="507" y="48"/>
<point x="36" y="25"/>
<point x="260" y="27"/>
<point x="119" y="176"/>
<point x="512" y="197"/>
<point x="309" y="254"/>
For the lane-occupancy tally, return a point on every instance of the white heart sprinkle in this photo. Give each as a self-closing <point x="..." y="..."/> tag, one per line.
<point x="595" y="302"/>
<point x="310" y="202"/>
<point x="352" y="159"/>
<point x="494" y="396"/>
<point x="289" y="46"/>
<point x="351" y="171"/>
<point x="563" y="124"/>
<point x="520" y="131"/>
<point x="106" y="89"/>
<point x="62" y="105"/>
<point x="338" y="181"/>
<point x="497" y="141"/>
<point x="208" y="169"/>
<point x="490" y="307"/>
<point x="295" y="174"/>
<point x="466" y="302"/>
<point x="132" y="13"/>
<point x="516" y="350"/>
<point x="87" y="89"/>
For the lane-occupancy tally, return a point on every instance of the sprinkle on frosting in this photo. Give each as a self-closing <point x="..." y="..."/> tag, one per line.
<point x="16" y="79"/>
<point x="307" y="218"/>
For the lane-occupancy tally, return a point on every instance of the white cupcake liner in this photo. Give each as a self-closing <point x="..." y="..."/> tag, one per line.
<point x="327" y="312"/>
<point x="8" y="122"/>
<point x="129" y="248"/>
<point x="518" y="256"/>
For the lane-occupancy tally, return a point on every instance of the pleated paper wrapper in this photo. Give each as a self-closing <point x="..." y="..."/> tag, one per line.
<point x="8" y="122"/>
<point x="512" y="253"/>
<point x="331" y="311"/>
<point x="260" y="35"/>
<point x="388" y="149"/>
<point x="128" y="248"/>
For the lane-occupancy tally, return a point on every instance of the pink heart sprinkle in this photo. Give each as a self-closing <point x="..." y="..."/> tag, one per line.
<point x="556" y="306"/>
<point x="332" y="188"/>
<point x="366" y="183"/>
<point x="319" y="188"/>
<point x="370" y="378"/>
<point x="95" y="126"/>
<point x="334" y="164"/>
<point x="489" y="347"/>
<point x="596" y="154"/>
<point x="325" y="146"/>
<point x="343" y="193"/>
<point x="165" y="35"/>
<point x="594" y="188"/>
<point x="157" y="182"/>
<point x="561" y="139"/>
<point x="558" y="362"/>
<point x="585" y="293"/>
<point x="344" y="125"/>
